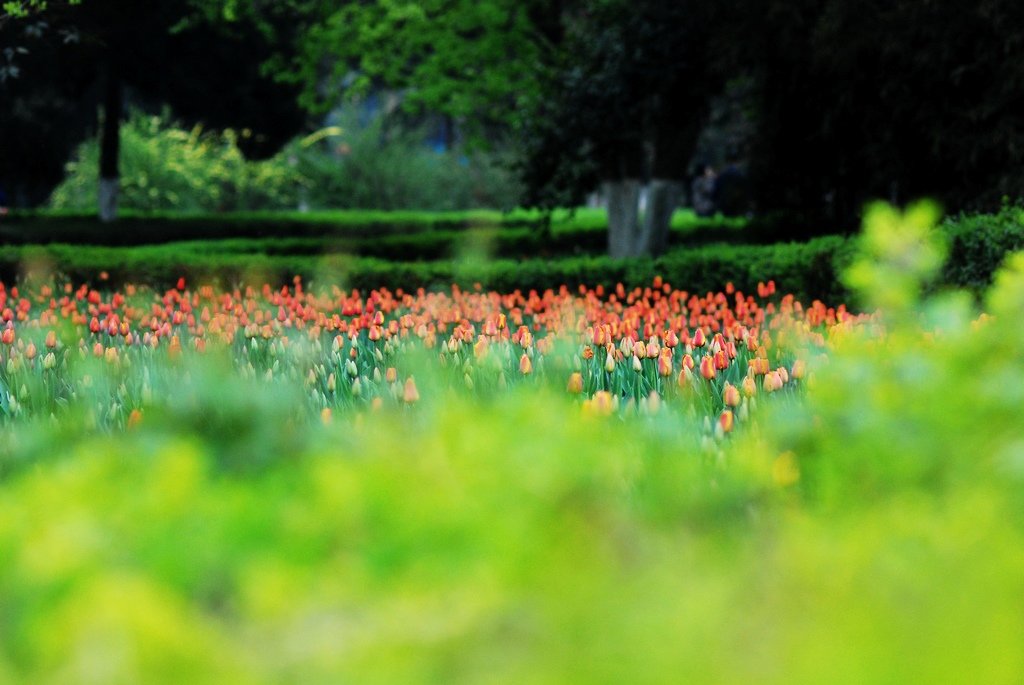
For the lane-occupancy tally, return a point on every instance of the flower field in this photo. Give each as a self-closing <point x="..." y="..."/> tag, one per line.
<point x="650" y="348"/>
<point x="316" y="485"/>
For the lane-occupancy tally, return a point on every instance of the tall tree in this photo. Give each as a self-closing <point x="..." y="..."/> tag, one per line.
<point x="894" y="99"/>
<point x="160" y="52"/>
<point x="625" y="109"/>
<point x="600" y="90"/>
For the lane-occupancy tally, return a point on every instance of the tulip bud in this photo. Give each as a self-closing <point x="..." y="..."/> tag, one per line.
<point x="411" y="394"/>
<point x="665" y="364"/>
<point x="525" y="365"/>
<point x="575" y="385"/>
<point x="637" y="366"/>
<point x="726" y="421"/>
<point x="609" y="363"/>
<point x="731" y="395"/>
<point x="707" y="368"/>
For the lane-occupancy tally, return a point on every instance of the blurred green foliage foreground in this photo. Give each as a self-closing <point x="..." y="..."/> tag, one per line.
<point x="872" y="533"/>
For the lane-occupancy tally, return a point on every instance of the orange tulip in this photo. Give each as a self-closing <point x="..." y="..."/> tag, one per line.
<point x="665" y="364"/>
<point x="7" y="337"/>
<point x="411" y="394"/>
<point x="525" y="365"/>
<point x="799" y="369"/>
<point x="698" y="340"/>
<point x="575" y="385"/>
<point x="134" y="419"/>
<point x="51" y="339"/>
<point x="731" y="395"/>
<point x="707" y="367"/>
<point x="726" y="421"/>
<point x="749" y="387"/>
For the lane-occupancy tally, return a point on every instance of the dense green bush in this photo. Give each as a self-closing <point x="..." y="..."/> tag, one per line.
<point x="164" y="167"/>
<point x="979" y="244"/>
<point x="167" y="168"/>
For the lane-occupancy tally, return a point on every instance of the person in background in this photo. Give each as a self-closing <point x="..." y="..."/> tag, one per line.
<point x="703" y="192"/>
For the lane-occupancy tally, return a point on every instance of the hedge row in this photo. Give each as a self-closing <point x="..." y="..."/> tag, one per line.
<point x="810" y="269"/>
<point x="408" y="235"/>
<point x="806" y="269"/>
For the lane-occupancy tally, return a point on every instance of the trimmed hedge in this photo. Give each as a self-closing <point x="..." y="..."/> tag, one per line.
<point x="391" y="235"/>
<point x="805" y="269"/>
<point x="810" y="270"/>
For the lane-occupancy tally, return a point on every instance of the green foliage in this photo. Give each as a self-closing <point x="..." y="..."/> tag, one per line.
<point x="388" y="166"/>
<point x="872" y="534"/>
<point x="166" y="168"/>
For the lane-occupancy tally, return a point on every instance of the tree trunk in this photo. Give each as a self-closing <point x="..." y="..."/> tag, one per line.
<point x="623" y="219"/>
<point x="110" y="143"/>
<point x="662" y="197"/>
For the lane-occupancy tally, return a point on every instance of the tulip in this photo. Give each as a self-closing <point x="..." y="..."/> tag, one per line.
<point x="51" y="339"/>
<point x="609" y="362"/>
<point x="654" y="402"/>
<point x="731" y="395"/>
<point x="602" y="403"/>
<point x="7" y="337"/>
<point x="749" y="387"/>
<point x="575" y="385"/>
<point x="411" y="394"/>
<point x="480" y="348"/>
<point x="639" y="350"/>
<point x="525" y="365"/>
<point x="671" y="339"/>
<point x="325" y="416"/>
<point x="134" y="419"/>
<point x="726" y="421"/>
<point x="30" y="351"/>
<point x="637" y="366"/>
<point x="707" y="367"/>
<point x="688" y="362"/>
<point x="665" y="364"/>
<point x="799" y="369"/>
<point x="698" y="340"/>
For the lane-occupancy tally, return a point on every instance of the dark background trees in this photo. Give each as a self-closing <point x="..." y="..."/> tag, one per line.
<point x="845" y="101"/>
<point x="147" y="54"/>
